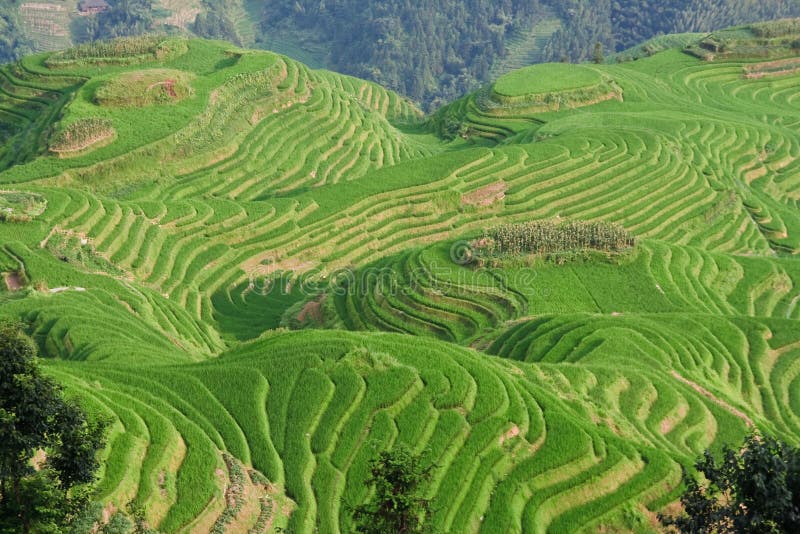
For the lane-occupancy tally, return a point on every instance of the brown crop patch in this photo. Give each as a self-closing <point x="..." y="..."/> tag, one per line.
<point x="485" y="196"/>
<point x="311" y="312"/>
<point x="14" y="281"/>
<point x="145" y="87"/>
<point x="779" y="67"/>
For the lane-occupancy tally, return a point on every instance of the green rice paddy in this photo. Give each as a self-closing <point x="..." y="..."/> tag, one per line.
<point x="546" y="78"/>
<point x="262" y="283"/>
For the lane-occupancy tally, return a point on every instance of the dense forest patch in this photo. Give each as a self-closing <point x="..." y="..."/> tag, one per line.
<point x="431" y="51"/>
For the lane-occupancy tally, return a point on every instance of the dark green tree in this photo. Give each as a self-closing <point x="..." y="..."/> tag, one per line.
<point x="397" y="506"/>
<point x="124" y="18"/>
<point x="755" y="489"/>
<point x="13" y="43"/>
<point x="48" y="447"/>
<point x="216" y="22"/>
<point x="597" y="57"/>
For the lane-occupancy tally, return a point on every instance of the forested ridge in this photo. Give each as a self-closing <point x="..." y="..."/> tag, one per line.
<point x="428" y="50"/>
<point x="621" y="24"/>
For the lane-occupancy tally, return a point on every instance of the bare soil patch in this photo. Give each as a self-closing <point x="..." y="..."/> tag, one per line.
<point x="312" y="311"/>
<point x="512" y="433"/>
<point x="14" y="281"/>
<point x="169" y="87"/>
<point x="485" y="196"/>
<point x="779" y="67"/>
<point x="669" y="422"/>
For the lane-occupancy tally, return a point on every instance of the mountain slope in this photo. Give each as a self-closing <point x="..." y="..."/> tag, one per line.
<point x="170" y="207"/>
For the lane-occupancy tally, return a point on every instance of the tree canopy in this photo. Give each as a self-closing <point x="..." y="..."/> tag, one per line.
<point x="753" y="489"/>
<point x="431" y="50"/>
<point x="216" y="22"/>
<point x="397" y="505"/>
<point x="124" y="18"/>
<point x="48" y="446"/>
<point x="13" y="43"/>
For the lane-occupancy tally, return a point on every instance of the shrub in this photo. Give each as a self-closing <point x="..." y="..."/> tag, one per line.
<point x="398" y="477"/>
<point x="80" y="135"/>
<point x="17" y="206"/>
<point x="234" y="495"/>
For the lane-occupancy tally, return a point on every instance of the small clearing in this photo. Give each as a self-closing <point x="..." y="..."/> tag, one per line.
<point x="14" y="281"/>
<point x="485" y="196"/>
<point x="169" y="87"/>
<point x="312" y="311"/>
<point x="512" y="433"/>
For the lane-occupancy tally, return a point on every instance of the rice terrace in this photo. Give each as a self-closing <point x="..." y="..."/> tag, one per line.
<point x="556" y="291"/>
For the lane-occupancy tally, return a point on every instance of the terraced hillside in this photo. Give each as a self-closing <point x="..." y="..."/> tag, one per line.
<point x="527" y="47"/>
<point x="213" y="199"/>
<point x="47" y="23"/>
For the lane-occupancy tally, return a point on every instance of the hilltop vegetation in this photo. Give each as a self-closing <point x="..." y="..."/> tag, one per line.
<point x="556" y="295"/>
<point x="145" y="88"/>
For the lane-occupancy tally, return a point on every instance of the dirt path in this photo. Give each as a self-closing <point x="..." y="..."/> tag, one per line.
<point x="719" y="402"/>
